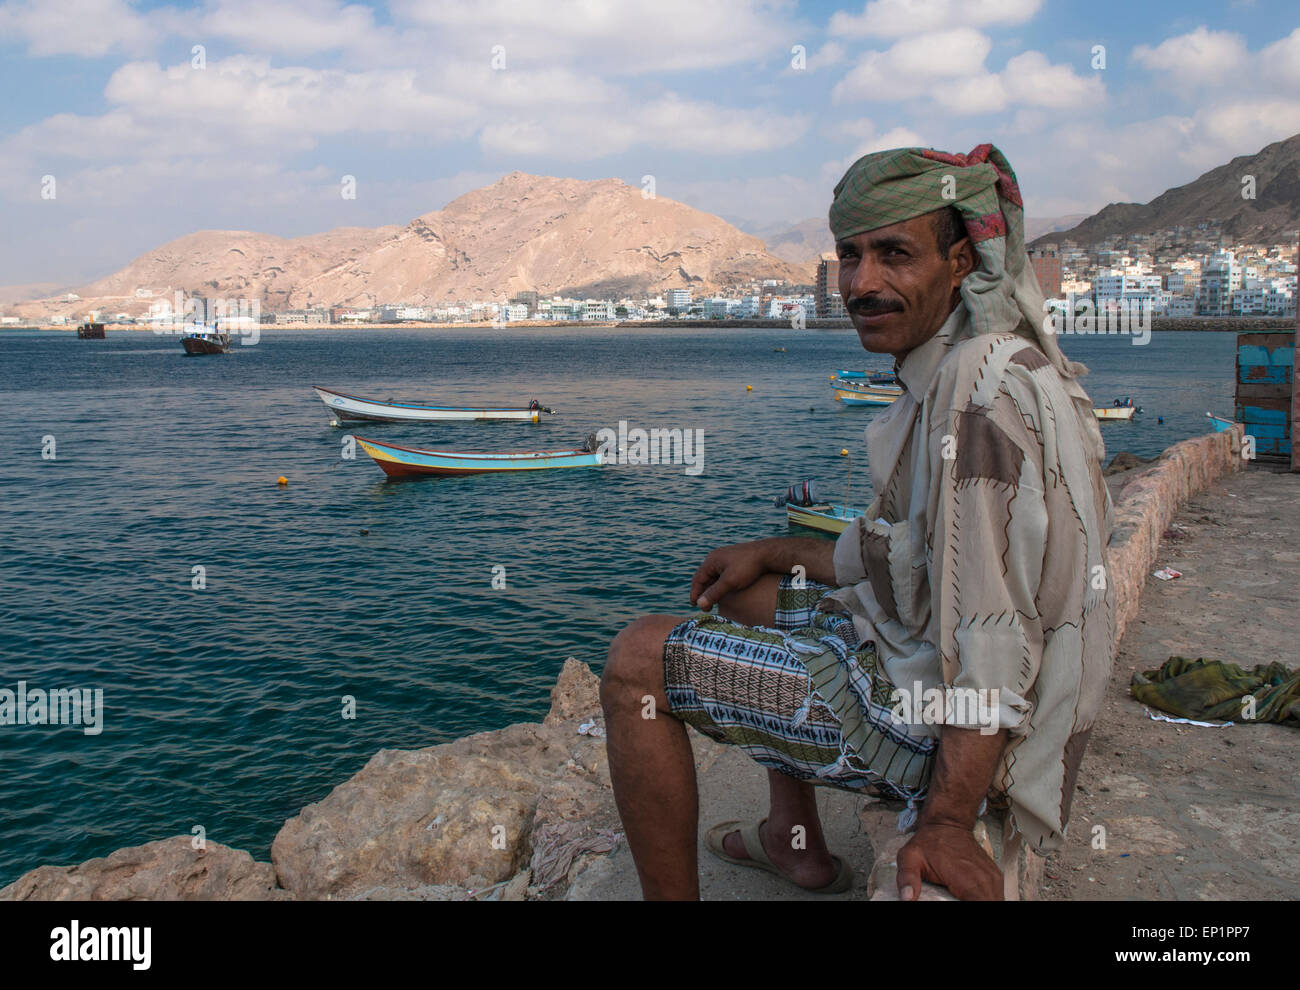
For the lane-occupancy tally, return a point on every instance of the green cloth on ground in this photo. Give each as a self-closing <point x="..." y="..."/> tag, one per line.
<point x="1213" y="689"/>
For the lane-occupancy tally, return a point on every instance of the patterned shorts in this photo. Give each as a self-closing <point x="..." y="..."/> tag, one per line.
<point x="805" y="697"/>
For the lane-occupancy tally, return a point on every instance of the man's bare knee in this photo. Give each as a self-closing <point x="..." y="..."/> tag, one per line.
<point x="635" y="666"/>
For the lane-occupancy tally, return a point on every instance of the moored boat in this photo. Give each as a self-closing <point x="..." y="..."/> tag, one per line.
<point x="871" y="377"/>
<point x="866" y="395"/>
<point x="410" y="462"/>
<point x="1220" y="424"/>
<point x="345" y="408"/>
<point x="1109" y="414"/>
<point x="90" y="331"/>
<point x="827" y="517"/>
<point x="804" y="506"/>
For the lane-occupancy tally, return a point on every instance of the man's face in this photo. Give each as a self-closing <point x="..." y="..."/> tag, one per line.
<point x="897" y="287"/>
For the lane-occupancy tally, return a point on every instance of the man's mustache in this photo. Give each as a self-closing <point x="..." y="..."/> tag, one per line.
<point x="873" y="305"/>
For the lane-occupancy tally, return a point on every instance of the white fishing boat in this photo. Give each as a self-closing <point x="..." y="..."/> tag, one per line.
<point x="345" y="408"/>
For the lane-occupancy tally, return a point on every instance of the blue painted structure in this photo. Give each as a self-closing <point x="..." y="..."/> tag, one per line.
<point x="1265" y="393"/>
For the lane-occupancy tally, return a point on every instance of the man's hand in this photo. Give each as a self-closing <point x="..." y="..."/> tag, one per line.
<point x="944" y="850"/>
<point x="728" y="569"/>
<point x="736" y="567"/>
<point x="949" y="856"/>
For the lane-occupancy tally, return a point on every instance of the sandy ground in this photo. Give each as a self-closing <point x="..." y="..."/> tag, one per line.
<point x="1188" y="812"/>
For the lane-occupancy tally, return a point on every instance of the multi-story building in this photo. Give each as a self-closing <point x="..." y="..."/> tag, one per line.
<point x="599" y="310"/>
<point x="829" y="302"/>
<point x="1220" y="278"/>
<point x="679" y="299"/>
<point x="1047" y="269"/>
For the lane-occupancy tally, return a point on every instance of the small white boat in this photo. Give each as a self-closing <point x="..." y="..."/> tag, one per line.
<point x="346" y="408"/>
<point x="1109" y="414"/>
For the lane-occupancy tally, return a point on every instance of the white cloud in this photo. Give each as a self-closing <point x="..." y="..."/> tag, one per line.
<point x="1280" y="61"/>
<point x="896" y="18"/>
<point x="670" y="121"/>
<point x="1031" y="80"/>
<point x="91" y="28"/>
<point x="1200" y="58"/>
<point x="253" y="101"/>
<point x="300" y="26"/>
<point x="947" y="69"/>
<point x="909" y="69"/>
<point x="619" y="36"/>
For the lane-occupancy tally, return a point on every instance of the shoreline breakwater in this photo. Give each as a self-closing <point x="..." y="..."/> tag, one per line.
<point x="514" y="813"/>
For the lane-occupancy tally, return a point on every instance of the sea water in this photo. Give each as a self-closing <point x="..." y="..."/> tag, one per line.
<point x="225" y="618"/>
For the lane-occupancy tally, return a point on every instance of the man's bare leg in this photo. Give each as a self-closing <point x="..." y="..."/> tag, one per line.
<point x="791" y="803"/>
<point x="650" y="763"/>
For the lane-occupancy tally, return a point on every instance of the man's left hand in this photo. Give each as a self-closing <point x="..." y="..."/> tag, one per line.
<point x="949" y="856"/>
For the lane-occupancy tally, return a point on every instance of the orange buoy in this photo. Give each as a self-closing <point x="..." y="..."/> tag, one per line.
<point x="749" y="388"/>
<point x="282" y="480"/>
<point x="844" y="451"/>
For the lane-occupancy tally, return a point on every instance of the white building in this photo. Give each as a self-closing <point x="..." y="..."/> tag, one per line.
<point x="679" y="298"/>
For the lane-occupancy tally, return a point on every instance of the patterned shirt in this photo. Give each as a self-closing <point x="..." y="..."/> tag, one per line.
<point x="981" y="562"/>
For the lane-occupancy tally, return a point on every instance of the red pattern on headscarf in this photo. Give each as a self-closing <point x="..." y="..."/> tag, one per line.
<point x="1007" y="187"/>
<point x="989" y="225"/>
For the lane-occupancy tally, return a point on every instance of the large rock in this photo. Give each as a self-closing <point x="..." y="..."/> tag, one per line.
<point x="460" y="814"/>
<point x="166" y="870"/>
<point x="576" y="695"/>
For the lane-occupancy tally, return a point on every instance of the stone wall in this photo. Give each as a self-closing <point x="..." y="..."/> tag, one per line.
<point x="1148" y="503"/>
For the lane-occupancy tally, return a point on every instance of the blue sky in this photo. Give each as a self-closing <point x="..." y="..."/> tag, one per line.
<point x="144" y="146"/>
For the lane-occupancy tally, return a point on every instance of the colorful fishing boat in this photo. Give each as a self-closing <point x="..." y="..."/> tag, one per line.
<point x="827" y="517"/>
<point x="871" y="377"/>
<point x="1114" y="414"/>
<point x="866" y="395"/>
<point x="350" y="407"/>
<point x="411" y="462"/>
<point x="1220" y="424"/>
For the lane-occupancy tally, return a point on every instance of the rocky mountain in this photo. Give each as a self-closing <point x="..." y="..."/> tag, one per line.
<point x="555" y="236"/>
<point x="524" y="232"/>
<point x="1273" y="215"/>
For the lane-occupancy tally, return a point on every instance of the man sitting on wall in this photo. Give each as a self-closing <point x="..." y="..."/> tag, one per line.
<point x="978" y="572"/>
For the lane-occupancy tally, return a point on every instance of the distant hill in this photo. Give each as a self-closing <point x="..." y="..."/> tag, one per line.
<point x="524" y="232"/>
<point x="1049" y="225"/>
<point x="1272" y="216"/>
<point x="805" y="241"/>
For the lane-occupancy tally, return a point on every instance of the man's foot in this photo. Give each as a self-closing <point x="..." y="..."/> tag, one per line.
<point x="809" y="868"/>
